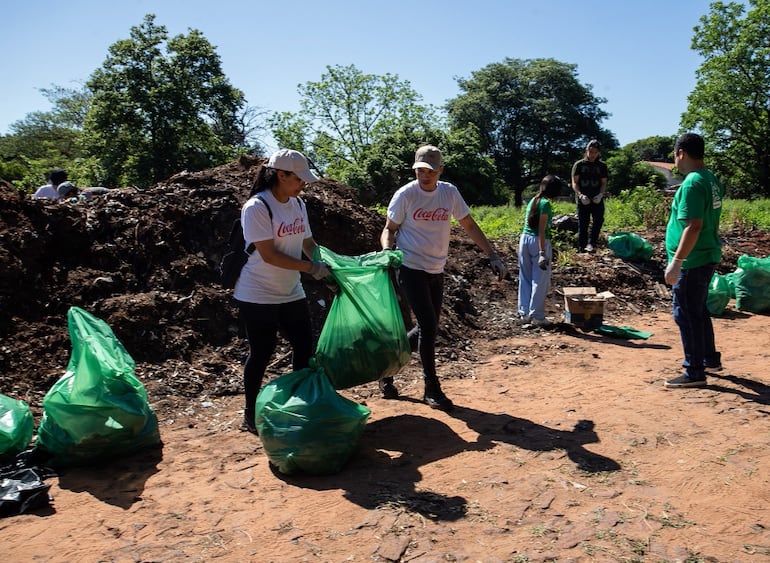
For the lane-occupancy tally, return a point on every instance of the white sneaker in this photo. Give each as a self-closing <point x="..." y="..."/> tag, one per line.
<point x="589" y="248"/>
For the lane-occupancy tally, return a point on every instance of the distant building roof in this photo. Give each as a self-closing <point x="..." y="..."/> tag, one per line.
<point x="665" y="167"/>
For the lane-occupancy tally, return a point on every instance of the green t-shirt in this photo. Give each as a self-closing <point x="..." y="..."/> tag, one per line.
<point x="699" y="197"/>
<point x="543" y="208"/>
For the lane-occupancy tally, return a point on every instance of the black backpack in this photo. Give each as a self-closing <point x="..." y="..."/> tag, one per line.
<point x="236" y="256"/>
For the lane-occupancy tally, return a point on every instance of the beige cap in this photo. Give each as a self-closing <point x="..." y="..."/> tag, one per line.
<point x="427" y="157"/>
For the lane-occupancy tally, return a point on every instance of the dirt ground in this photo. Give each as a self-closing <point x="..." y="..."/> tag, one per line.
<point x="564" y="445"/>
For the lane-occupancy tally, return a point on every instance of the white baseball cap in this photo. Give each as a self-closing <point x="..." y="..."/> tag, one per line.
<point x="292" y="161"/>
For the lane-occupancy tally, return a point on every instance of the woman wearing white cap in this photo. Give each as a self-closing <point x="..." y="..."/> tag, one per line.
<point x="269" y="293"/>
<point x="418" y="223"/>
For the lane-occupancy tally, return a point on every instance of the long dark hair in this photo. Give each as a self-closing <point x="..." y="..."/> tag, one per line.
<point x="550" y="187"/>
<point x="266" y="178"/>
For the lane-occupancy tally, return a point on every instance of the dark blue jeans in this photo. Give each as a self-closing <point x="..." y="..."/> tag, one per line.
<point x="262" y="323"/>
<point x="592" y="214"/>
<point x="424" y="292"/>
<point x="694" y="321"/>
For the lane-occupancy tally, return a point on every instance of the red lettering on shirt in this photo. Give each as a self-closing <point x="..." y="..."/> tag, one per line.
<point x="289" y="229"/>
<point x="438" y="214"/>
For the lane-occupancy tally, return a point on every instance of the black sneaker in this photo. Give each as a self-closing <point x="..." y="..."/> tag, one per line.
<point x="436" y="399"/>
<point x="685" y="380"/>
<point x="387" y="388"/>
<point x="713" y="367"/>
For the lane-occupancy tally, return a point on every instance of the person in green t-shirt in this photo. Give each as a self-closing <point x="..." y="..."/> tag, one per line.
<point x="694" y="249"/>
<point x="536" y="253"/>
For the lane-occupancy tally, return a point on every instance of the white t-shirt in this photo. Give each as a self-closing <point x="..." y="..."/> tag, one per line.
<point x="424" y="219"/>
<point x="46" y="192"/>
<point x="261" y="282"/>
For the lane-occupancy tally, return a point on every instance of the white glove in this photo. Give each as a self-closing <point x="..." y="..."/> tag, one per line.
<point x="319" y="270"/>
<point x="584" y="199"/>
<point x="597" y="198"/>
<point x="672" y="271"/>
<point x="543" y="261"/>
<point x="497" y="266"/>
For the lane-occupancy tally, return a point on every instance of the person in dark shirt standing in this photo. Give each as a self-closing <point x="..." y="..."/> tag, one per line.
<point x="589" y="181"/>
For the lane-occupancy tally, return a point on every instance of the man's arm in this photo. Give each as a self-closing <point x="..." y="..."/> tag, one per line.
<point x="388" y="236"/>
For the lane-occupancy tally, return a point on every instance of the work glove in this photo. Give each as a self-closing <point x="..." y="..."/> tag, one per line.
<point x="497" y="266"/>
<point x="672" y="271"/>
<point x="597" y="198"/>
<point x="542" y="261"/>
<point x="584" y="199"/>
<point x="319" y="270"/>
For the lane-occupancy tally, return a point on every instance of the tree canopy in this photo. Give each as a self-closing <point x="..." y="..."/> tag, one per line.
<point x="154" y="114"/>
<point x="730" y="104"/>
<point x="534" y="117"/>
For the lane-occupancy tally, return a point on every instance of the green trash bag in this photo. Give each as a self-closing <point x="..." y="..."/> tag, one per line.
<point x="730" y="280"/>
<point x="363" y="338"/>
<point x="305" y="425"/>
<point x="630" y="246"/>
<point x="98" y="409"/>
<point x="752" y="284"/>
<point x="16" y="426"/>
<point x="718" y="296"/>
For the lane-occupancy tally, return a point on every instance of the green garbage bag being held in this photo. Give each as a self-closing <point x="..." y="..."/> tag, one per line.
<point x="363" y="338"/>
<point x="98" y="409"/>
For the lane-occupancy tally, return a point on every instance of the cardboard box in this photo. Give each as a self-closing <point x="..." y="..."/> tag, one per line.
<point x="583" y="307"/>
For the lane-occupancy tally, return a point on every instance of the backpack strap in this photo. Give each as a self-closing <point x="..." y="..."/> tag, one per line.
<point x="252" y="247"/>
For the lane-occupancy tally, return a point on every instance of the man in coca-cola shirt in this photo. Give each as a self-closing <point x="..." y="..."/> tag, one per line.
<point x="418" y="224"/>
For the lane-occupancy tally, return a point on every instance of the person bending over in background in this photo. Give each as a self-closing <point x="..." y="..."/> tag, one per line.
<point x="536" y="253"/>
<point x="589" y="181"/>
<point x="418" y="224"/>
<point x="268" y="292"/>
<point x="694" y="250"/>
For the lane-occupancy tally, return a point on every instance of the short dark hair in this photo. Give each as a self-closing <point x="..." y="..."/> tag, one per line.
<point x="692" y="144"/>
<point x="57" y="176"/>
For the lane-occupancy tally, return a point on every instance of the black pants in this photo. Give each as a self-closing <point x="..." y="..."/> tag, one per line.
<point x="592" y="213"/>
<point x="424" y="292"/>
<point x="262" y="323"/>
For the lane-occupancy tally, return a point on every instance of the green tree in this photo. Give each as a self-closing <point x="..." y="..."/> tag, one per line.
<point x="628" y="166"/>
<point x="730" y="104"/>
<point x="347" y="113"/>
<point x="45" y="140"/>
<point x="534" y="117"/>
<point x="154" y="114"/>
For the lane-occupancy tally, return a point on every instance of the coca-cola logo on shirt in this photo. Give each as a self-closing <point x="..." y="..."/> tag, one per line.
<point x="438" y="214"/>
<point x="289" y="229"/>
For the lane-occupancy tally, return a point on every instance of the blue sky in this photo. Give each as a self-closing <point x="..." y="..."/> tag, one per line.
<point x="637" y="55"/>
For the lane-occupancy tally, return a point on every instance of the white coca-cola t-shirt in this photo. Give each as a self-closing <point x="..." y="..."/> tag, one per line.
<point x="261" y="282"/>
<point x="424" y="219"/>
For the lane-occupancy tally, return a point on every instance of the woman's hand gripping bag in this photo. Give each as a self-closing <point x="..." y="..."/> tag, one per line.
<point x="305" y="425"/>
<point x="98" y="409"/>
<point x="363" y="338"/>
